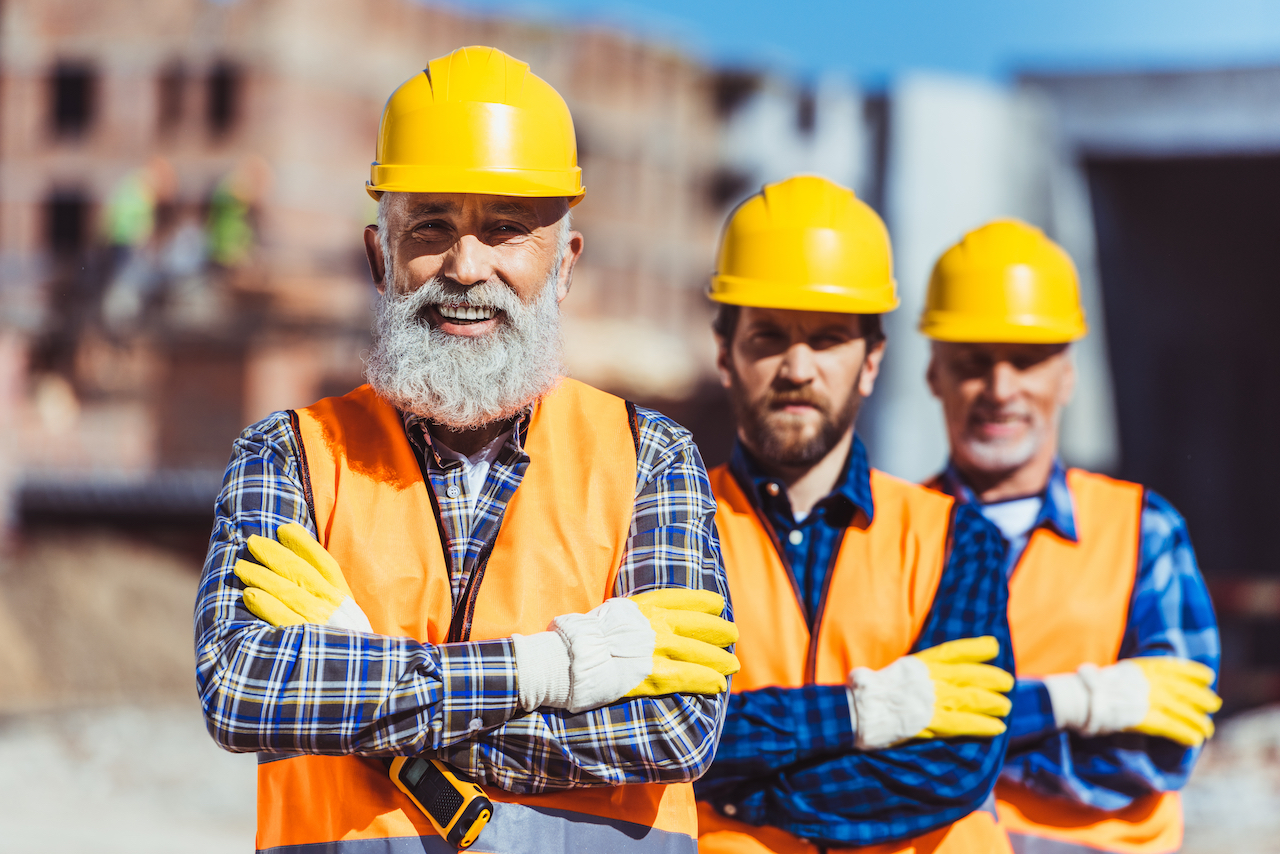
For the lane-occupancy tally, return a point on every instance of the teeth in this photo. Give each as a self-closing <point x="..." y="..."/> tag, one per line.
<point x="466" y="312"/>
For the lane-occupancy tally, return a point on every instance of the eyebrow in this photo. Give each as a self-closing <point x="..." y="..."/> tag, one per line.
<point x="512" y="209"/>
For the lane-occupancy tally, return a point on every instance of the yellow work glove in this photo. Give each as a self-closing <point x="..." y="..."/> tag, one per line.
<point x="1156" y="695"/>
<point x="689" y="654"/>
<point x="969" y="696"/>
<point x="655" y="643"/>
<point x="941" y="692"/>
<point x="1179" y="700"/>
<point x="296" y="581"/>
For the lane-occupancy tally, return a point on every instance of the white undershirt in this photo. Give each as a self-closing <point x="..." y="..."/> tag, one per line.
<point x="1015" y="520"/>
<point x="475" y="468"/>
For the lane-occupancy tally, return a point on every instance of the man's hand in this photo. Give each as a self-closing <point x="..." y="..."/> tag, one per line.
<point x="298" y="582"/>
<point x="660" y="642"/>
<point x="1156" y="695"/>
<point x="941" y="692"/>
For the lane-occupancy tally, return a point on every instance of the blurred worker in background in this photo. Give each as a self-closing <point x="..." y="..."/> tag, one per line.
<point x="465" y="500"/>
<point x="863" y="715"/>
<point x="1113" y="631"/>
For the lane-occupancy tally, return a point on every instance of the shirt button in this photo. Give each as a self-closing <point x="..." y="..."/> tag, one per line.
<point x="453" y="491"/>
<point x="796" y="537"/>
<point x="772" y="488"/>
<point x="730" y="810"/>
<point x="475" y="725"/>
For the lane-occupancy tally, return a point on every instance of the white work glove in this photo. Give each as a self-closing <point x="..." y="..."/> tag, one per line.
<point x="892" y="704"/>
<point x="1156" y="695"/>
<point x="1099" y="700"/>
<point x="945" y="691"/>
<point x="585" y="660"/>
<point x="668" y="641"/>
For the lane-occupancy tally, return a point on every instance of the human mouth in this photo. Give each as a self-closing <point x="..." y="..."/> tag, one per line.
<point x="1000" y="426"/>
<point x="467" y="313"/>
<point x="467" y="321"/>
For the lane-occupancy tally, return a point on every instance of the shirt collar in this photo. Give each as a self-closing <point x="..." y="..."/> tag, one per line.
<point x="416" y="427"/>
<point x="1057" y="512"/>
<point x="854" y="485"/>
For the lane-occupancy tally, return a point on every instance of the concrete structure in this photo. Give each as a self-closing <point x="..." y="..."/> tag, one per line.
<point x="181" y="200"/>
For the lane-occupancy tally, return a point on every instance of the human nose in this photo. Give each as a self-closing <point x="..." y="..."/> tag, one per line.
<point x="798" y="365"/>
<point x="1003" y="383"/>
<point x="468" y="262"/>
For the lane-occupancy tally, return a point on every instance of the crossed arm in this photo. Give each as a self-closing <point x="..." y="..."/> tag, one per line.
<point x="310" y="689"/>
<point x="787" y="757"/>
<point x="1170" y="614"/>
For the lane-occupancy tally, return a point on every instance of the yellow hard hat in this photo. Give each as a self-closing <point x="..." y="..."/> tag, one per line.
<point x="1004" y="282"/>
<point x="805" y="244"/>
<point x="477" y="121"/>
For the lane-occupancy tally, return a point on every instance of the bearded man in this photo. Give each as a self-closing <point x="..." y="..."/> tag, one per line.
<point x="470" y="559"/>
<point x="863" y="716"/>
<point x="1113" y="631"/>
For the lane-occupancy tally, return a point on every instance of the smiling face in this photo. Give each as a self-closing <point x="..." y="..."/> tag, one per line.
<point x="467" y="328"/>
<point x="796" y="380"/>
<point x="1002" y="403"/>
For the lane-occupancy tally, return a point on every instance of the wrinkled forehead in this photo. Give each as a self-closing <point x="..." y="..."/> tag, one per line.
<point x="463" y="207"/>
<point x="800" y="323"/>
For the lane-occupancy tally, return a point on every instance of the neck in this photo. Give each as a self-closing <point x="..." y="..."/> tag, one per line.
<point x="469" y="440"/>
<point x="807" y="485"/>
<point x="1030" y="478"/>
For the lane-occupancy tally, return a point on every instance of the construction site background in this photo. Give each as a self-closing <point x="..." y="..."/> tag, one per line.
<point x="181" y="200"/>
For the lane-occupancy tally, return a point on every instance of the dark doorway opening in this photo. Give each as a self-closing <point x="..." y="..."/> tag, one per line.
<point x="1189" y="251"/>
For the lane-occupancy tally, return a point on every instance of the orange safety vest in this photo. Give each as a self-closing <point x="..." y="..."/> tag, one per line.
<point x="558" y="552"/>
<point x="1069" y="604"/>
<point x="883" y="582"/>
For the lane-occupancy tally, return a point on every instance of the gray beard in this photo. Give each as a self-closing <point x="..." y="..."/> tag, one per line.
<point x="465" y="382"/>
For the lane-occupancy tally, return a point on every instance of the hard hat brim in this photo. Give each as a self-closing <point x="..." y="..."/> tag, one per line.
<point x="966" y="329"/>
<point x="522" y="183"/>
<point x="735" y="290"/>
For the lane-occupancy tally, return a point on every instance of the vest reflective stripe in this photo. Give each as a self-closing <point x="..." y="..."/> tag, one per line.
<point x="1069" y="604"/>
<point x="535" y="826"/>
<point x="884" y="579"/>
<point x="558" y="551"/>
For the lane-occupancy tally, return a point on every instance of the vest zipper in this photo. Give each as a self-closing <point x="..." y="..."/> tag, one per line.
<point x="464" y="611"/>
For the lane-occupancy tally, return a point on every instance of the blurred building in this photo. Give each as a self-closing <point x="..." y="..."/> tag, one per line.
<point x="181" y="201"/>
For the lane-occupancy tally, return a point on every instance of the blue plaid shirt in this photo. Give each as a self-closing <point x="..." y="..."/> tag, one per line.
<point x="312" y="689"/>
<point x="1169" y="614"/>
<point x="787" y="755"/>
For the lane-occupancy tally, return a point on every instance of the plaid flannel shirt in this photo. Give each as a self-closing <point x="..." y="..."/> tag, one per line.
<point x="1170" y="613"/>
<point x="312" y="689"/>
<point x="787" y="757"/>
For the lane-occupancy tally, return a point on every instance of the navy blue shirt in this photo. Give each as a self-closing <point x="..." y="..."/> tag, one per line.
<point x="787" y="756"/>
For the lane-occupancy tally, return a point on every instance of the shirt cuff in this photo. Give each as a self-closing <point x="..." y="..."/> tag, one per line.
<point x="480" y="690"/>
<point x="1032" y="715"/>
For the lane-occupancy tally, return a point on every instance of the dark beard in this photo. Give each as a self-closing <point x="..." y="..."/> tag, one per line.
<point x="787" y="448"/>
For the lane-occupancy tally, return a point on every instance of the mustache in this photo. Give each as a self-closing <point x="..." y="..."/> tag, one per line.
<point x="774" y="399"/>
<point x="991" y="411"/>
<point x="439" y="291"/>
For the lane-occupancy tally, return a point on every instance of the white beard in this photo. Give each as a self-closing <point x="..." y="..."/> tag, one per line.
<point x="1001" y="455"/>
<point x="463" y="382"/>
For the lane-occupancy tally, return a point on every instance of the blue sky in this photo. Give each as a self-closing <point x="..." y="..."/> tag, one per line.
<point x="874" y="41"/>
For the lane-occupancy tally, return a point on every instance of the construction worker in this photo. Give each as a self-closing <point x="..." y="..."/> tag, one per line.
<point x="1113" y="631"/>
<point x="863" y="715"/>
<point x="452" y="561"/>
